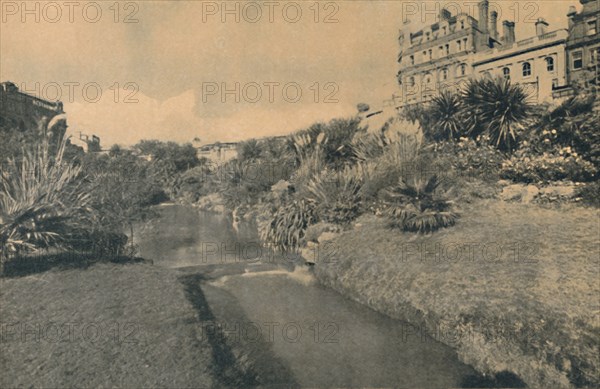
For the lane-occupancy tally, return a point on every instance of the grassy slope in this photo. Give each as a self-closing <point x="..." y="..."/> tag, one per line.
<point x="168" y="350"/>
<point x="539" y="320"/>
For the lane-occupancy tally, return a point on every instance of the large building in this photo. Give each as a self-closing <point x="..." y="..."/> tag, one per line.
<point x="583" y="45"/>
<point x="24" y="111"/>
<point x="457" y="48"/>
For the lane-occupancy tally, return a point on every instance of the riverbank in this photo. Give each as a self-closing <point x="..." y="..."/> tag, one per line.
<point x="106" y="325"/>
<point x="504" y="287"/>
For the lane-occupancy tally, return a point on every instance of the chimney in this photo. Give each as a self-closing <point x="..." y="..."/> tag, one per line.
<point x="484" y="7"/>
<point x="445" y="14"/>
<point x="571" y="15"/>
<point x="494" y="25"/>
<point x="541" y="27"/>
<point x="509" y="32"/>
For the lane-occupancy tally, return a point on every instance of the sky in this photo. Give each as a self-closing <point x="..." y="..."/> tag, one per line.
<point x="215" y="70"/>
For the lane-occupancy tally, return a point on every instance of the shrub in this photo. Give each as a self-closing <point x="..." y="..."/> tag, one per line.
<point x="419" y="206"/>
<point x="288" y="225"/>
<point x="555" y="166"/>
<point x="498" y="108"/>
<point x="42" y="202"/>
<point x="589" y="194"/>
<point x="445" y="112"/>
<point x="336" y="195"/>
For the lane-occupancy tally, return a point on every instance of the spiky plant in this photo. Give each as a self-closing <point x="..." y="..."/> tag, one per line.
<point x="419" y="205"/>
<point x="446" y="116"/>
<point x="336" y="195"/>
<point x="496" y="107"/>
<point x="288" y="225"/>
<point x="42" y="202"/>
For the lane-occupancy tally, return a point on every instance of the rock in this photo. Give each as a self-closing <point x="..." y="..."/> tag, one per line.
<point x="567" y="191"/>
<point x="530" y="192"/>
<point x="314" y="232"/>
<point x="327" y="236"/>
<point x="522" y="192"/>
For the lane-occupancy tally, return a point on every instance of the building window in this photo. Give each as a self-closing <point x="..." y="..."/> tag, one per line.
<point x="444" y="74"/>
<point x="428" y="35"/>
<point x="447" y="49"/>
<point x="411" y="81"/>
<point x="441" y="51"/>
<point x="550" y="64"/>
<point x="462" y="70"/>
<point x="591" y="27"/>
<point x="462" y="24"/>
<point x="506" y="73"/>
<point x="459" y="43"/>
<point x="526" y="69"/>
<point x="577" y="60"/>
<point x="430" y="54"/>
<point x="466" y="40"/>
<point x="412" y="59"/>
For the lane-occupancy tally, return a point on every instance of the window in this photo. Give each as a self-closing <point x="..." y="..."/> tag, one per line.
<point x="428" y="35"/>
<point x="465" y="41"/>
<point x="444" y="74"/>
<point x="526" y="69"/>
<point x="459" y="43"/>
<point x="462" y="24"/>
<point x="577" y="60"/>
<point x="550" y="64"/>
<point x="430" y="54"/>
<point x="411" y="81"/>
<point x="506" y="73"/>
<point x="441" y="51"/>
<point x="462" y="70"/>
<point x="591" y="27"/>
<point x="412" y="59"/>
<point x="447" y="49"/>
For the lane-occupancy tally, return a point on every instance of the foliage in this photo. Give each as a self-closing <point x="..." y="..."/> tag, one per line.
<point x="498" y="108"/>
<point x="562" y="164"/>
<point x="288" y="225"/>
<point x="418" y="205"/>
<point x="465" y="158"/>
<point x="589" y="193"/>
<point x="446" y="115"/>
<point x="336" y="196"/>
<point x="42" y="202"/>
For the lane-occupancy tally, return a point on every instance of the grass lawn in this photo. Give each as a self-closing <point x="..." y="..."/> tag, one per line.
<point x="511" y="287"/>
<point x="109" y="325"/>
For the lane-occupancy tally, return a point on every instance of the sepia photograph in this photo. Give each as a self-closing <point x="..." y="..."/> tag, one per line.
<point x="300" y="194"/>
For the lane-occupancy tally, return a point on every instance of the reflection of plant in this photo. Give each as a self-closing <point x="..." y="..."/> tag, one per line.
<point x="288" y="225"/>
<point x="419" y="206"/>
<point x="42" y="202"/>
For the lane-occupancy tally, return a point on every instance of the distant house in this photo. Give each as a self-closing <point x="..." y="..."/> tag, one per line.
<point x="583" y="45"/>
<point x="89" y="144"/>
<point x="218" y="152"/>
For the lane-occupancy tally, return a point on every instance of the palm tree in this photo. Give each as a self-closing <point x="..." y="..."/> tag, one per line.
<point x="496" y="107"/>
<point x="419" y="206"/>
<point x="446" y="116"/>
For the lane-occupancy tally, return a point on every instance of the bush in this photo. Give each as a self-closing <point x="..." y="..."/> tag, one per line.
<point x="336" y="195"/>
<point x="446" y="115"/>
<point x="288" y="225"/>
<point x="498" y="108"/>
<point x="589" y="194"/>
<point x="42" y="202"/>
<point x="555" y="166"/>
<point x="418" y="205"/>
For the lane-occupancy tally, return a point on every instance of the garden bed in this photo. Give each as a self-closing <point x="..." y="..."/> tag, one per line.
<point x="512" y="287"/>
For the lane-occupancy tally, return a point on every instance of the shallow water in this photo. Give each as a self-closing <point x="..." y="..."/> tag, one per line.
<point x="321" y="338"/>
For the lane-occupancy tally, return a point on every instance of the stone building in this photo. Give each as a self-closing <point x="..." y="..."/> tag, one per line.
<point x="24" y="111"/>
<point x="218" y="152"/>
<point x="457" y="48"/>
<point x="537" y="63"/>
<point x="441" y="55"/>
<point x="583" y="45"/>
